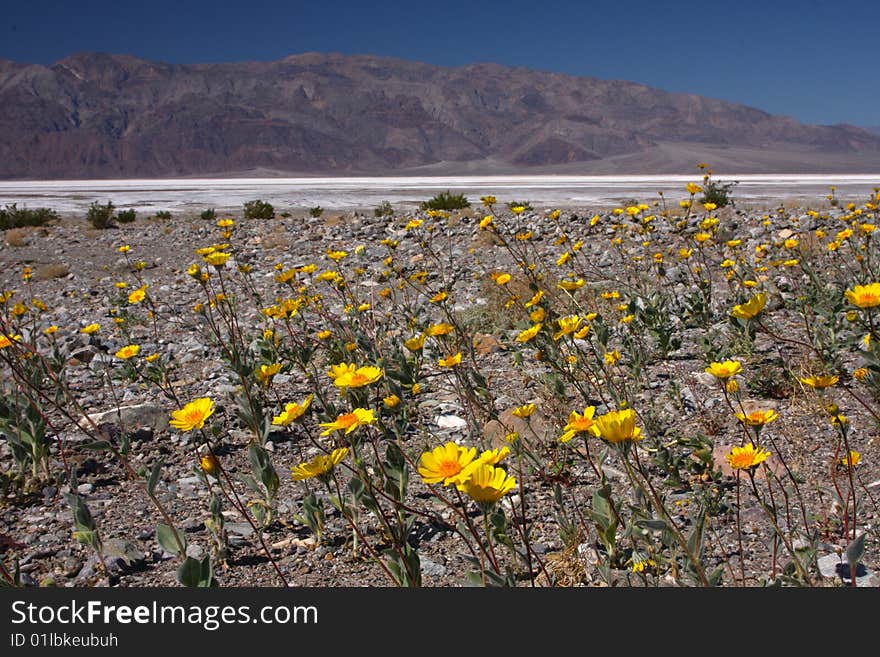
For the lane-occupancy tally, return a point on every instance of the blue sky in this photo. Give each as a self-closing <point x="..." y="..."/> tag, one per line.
<point x="815" y="61"/>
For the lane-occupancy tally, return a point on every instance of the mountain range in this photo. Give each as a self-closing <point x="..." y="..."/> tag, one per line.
<point x="96" y="115"/>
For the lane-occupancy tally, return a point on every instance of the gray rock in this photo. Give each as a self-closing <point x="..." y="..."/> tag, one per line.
<point x="133" y="415"/>
<point x="432" y="568"/>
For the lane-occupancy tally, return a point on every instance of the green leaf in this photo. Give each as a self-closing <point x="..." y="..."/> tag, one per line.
<point x="165" y="535"/>
<point x="195" y="573"/>
<point x="154" y="476"/>
<point x="96" y="445"/>
<point x="856" y="550"/>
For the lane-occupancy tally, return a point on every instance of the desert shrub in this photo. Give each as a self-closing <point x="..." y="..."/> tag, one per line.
<point x="100" y="216"/>
<point x="16" y="237"/>
<point x="717" y="192"/>
<point x="446" y="201"/>
<point x="126" y="216"/>
<point x="316" y="211"/>
<point x="14" y="217"/>
<point x="52" y="270"/>
<point x="163" y="214"/>
<point x="209" y="215"/>
<point x="258" y="209"/>
<point x="384" y="209"/>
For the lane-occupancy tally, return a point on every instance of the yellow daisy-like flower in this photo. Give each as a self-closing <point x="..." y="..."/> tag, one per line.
<point x="492" y="456"/>
<point x="725" y="369"/>
<point x="487" y="484"/>
<point x="193" y="415"/>
<point x="415" y="343"/>
<point x="292" y="411"/>
<point x="129" y="351"/>
<point x="319" y="466"/>
<point x="391" y="401"/>
<point x="125" y="248"/>
<point x="853" y="458"/>
<point x="439" y="329"/>
<point x="758" y="418"/>
<point x="445" y="463"/>
<point x="225" y="223"/>
<point x="7" y="340"/>
<point x="265" y="373"/>
<point x="209" y="464"/>
<point x="529" y="333"/>
<point x="450" y="361"/>
<point x="336" y="256"/>
<point x="570" y="286"/>
<point x="619" y="426"/>
<point x="501" y="279"/>
<point x="49" y="330"/>
<point x="611" y="357"/>
<point x="524" y="411"/>
<point x="580" y="423"/>
<point x="747" y="457"/>
<point x="440" y="296"/>
<point x="860" y="374"/>
<point x="819" y="382"/>
<point x="864" y="296"/>
<point x="217" y="259"/>
<point x="752" y="308"/>
<point x="348" y="422"/>
<point x="138" y="295"/>
<point x="90" y="329"/>
<point x="693" y="188"/>
<point x="568" y="324"/>
<point x="350" y="376"/>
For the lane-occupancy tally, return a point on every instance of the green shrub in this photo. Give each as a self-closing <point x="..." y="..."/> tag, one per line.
<point x="384" y="209"/>
<point x="126" y="216"/>
<point x="209" y="215"/>
<point x="13" y="217"/>
<point x="446" y="201"/>
<point x="163" y="214"/>
<point x="258" y="209"/>
<point x="316" y="211"/>
<point x="717" y="192"/>
<point x="520" y="204"/>
<point x="100" y="216"/>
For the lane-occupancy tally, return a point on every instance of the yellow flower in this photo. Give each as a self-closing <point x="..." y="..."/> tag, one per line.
<point x="693" y="188"/>
<point x="853" y="458"/>
<point x="536" y="298"/>
<point x="757" y="418"/>
<point x="746" y="458"/>
<point x="450" y="361"/>
<point x="486" y="222"/>
<point x="7" y="340"/>
<point x="524" y="411"/>
<point x="336" y="256"/>
<point x="319" y="466"/>
<point x="488" y="200"/>
<point x="578" y="423"/>
<point x="732" y="387"/>
<point x="487" y="484"/>
<point x="391" y="401"/>
<point x="266" y="372"/>
<point x="152" y="358"/>
<point x="90" y="329"/>
<point x="724" y="370"/>
<point x="348" y="422"/>
<point x="129" y="351"/>
<point x="445" y="463"/>
<point x="570" y="286"/>
<point x="529" y="333"/>
<point x="491" y="457"/>
<point x="440" y="296"/>
<point x="49" y="330"/>
<point x="209" y="464"/>
<point x="439" y="329"/>
<point x="618" y="426"/>
<point x="125" y="248"/>
<point x="138" y="295"/>
<point x="860" y="374"/>
<point x="611" y="357"/>
<point x="518" y="209"/>
<point x="824" y="381"/>
<point x="864" y="296"/>
<point x="752" y="308"/>
<point x="501" y="279"/>
<point x="217" y="259"/>
<point x="225" y="223"/>
<point x="415" y="343"/>
<point x="292" y="412"/>
<point x="193" y="415"/>
<point x="351" y="376"/>
<point x="567" y="324"/>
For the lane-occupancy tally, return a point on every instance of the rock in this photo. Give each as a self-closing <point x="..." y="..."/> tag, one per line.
<point x="834" y="566"/>
<point x="432" y="568"/>
<point x="84" y="489"/>
<point x="133" y="416"/>
<point x="450" y="422"/>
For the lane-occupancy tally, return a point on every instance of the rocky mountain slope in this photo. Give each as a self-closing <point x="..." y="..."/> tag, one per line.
<point x="96" y="115"/>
